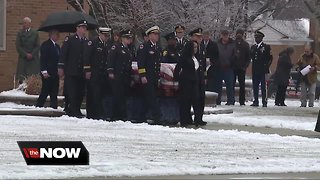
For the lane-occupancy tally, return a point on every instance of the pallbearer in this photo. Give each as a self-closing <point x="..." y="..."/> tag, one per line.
<point x="119" y="71"/>
<point x="95" y="54"/>
<point x="149" y="58"/>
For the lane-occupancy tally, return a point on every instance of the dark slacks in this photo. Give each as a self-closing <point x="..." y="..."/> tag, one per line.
<point x="191" y="94"/>
<point x="240" y="74"/>
<point x="150" y="99"/>
<point x="281" y="94"/>
<point x="257" y="80"/>
<point x="120" y="86"/>
<point x="227" y="76"/>
<point x="75" y="86"/>
<point x="94" y="97"/>
<point x="50" y="86"/>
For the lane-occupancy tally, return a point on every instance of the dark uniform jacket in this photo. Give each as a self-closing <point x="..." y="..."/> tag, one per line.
<point x="211" y="50"/>
<point x="49" y="57"/>
<point x="95" y="57"/>
<point x="201" y="57"/>
<point x="181" y="45"/>
<point x="261" y="58"/>
<point x="170" y="54"/>
<point x="120" y="61"/>
<point x="71" y="59"/>
<point x="149" y="58"/>
<point x="242" y="54"/>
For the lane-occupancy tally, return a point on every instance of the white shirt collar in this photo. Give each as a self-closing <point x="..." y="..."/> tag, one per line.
<point x="54" y="43"/>
<point x="101" y="39"/>
<point x="153" y="43"/>
<point x="258" y="45"/>
<point x="196" y="63"/>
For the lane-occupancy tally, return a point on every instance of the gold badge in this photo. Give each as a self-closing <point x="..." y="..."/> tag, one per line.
<point x="66" y="39"/>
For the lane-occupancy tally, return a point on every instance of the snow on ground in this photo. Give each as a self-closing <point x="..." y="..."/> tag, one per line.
<point x="125" y="149"/>
<point x="14" y="92"/>
<point x="290" y="117"/>
<point x="16" y="107"/>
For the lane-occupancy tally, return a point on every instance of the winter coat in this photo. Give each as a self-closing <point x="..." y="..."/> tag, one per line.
<point x="242" y="54"/>
<point x="313" y="61"/>
<point x="284" y="66"/>
<point x="27" y="42"/>
<point x="226" y="54"/>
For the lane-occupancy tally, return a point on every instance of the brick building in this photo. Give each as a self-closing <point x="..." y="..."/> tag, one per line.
<point x="11" y="14"/>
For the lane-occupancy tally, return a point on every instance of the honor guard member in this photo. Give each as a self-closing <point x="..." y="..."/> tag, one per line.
<point x="71" y="65"/>
<point x="181" y="40"/>
<point x="171" y="53"/>
<point x="261" y="60"/>
<point x="196" y="35"/>
<point x="95" y="56"/>
<point x="149" y="59"/>
<point x="119" y="67"/>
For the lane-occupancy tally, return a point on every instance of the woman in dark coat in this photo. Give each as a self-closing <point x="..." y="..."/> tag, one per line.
<point x="187" y="72"/>
<point x="282" y="75"/>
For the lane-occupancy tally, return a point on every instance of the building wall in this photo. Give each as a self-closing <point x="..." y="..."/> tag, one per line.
<point x="37" y="10"/>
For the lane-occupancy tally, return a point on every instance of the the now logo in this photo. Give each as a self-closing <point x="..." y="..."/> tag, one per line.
<point x="54" y="152"/>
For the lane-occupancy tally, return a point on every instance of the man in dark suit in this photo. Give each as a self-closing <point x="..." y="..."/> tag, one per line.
<point x="149" y="58"/>
<point x="50" y="52"/>
<point x="261" y="60"/>
<point x="71" y="65"/>
<point x="211" y="54"/>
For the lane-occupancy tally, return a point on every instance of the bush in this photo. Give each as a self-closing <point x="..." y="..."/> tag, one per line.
<point x="34" y="84"/>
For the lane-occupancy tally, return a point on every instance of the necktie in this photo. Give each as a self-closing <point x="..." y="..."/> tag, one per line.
<point x="57" y="49"/>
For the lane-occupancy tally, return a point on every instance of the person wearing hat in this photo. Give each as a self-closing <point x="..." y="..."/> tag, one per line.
<point x="170" y="53"/>
<point x="225" y="62"/>
<point x="261" y="60"/>
<point x="119" y="68"/>
<point x="149" y="58"/>
<point x="241" y="63"/>
<point x="211" y="55"/>
<point x="95" y="55"/>
<point x="181" y="40"/>
<point x="71" y="66"/>
<point x="196" y="36"/>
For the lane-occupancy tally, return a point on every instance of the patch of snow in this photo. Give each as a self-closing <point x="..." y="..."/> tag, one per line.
<point x="125" y="149"/>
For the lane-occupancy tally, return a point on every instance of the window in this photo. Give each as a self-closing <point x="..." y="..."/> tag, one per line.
<point x="3" y="8"/>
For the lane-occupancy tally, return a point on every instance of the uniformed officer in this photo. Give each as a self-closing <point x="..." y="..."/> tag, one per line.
<point x="171" y="53"/>
<point x="196" y="35"/>
<point x="119" y="67"/>
<point x="95" y="56"/>
<point x="181" y="40"/>
<point x="149" y="69"/>
<point x="261" y="60"/>
<point x="71" y="65"/>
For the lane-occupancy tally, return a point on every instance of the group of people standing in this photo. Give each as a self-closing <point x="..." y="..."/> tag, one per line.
<point x="103" y="66"/>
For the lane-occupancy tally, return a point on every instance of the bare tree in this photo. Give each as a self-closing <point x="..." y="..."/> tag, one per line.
<point x="211" y="15"/>
<point x="314" y="8"/>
